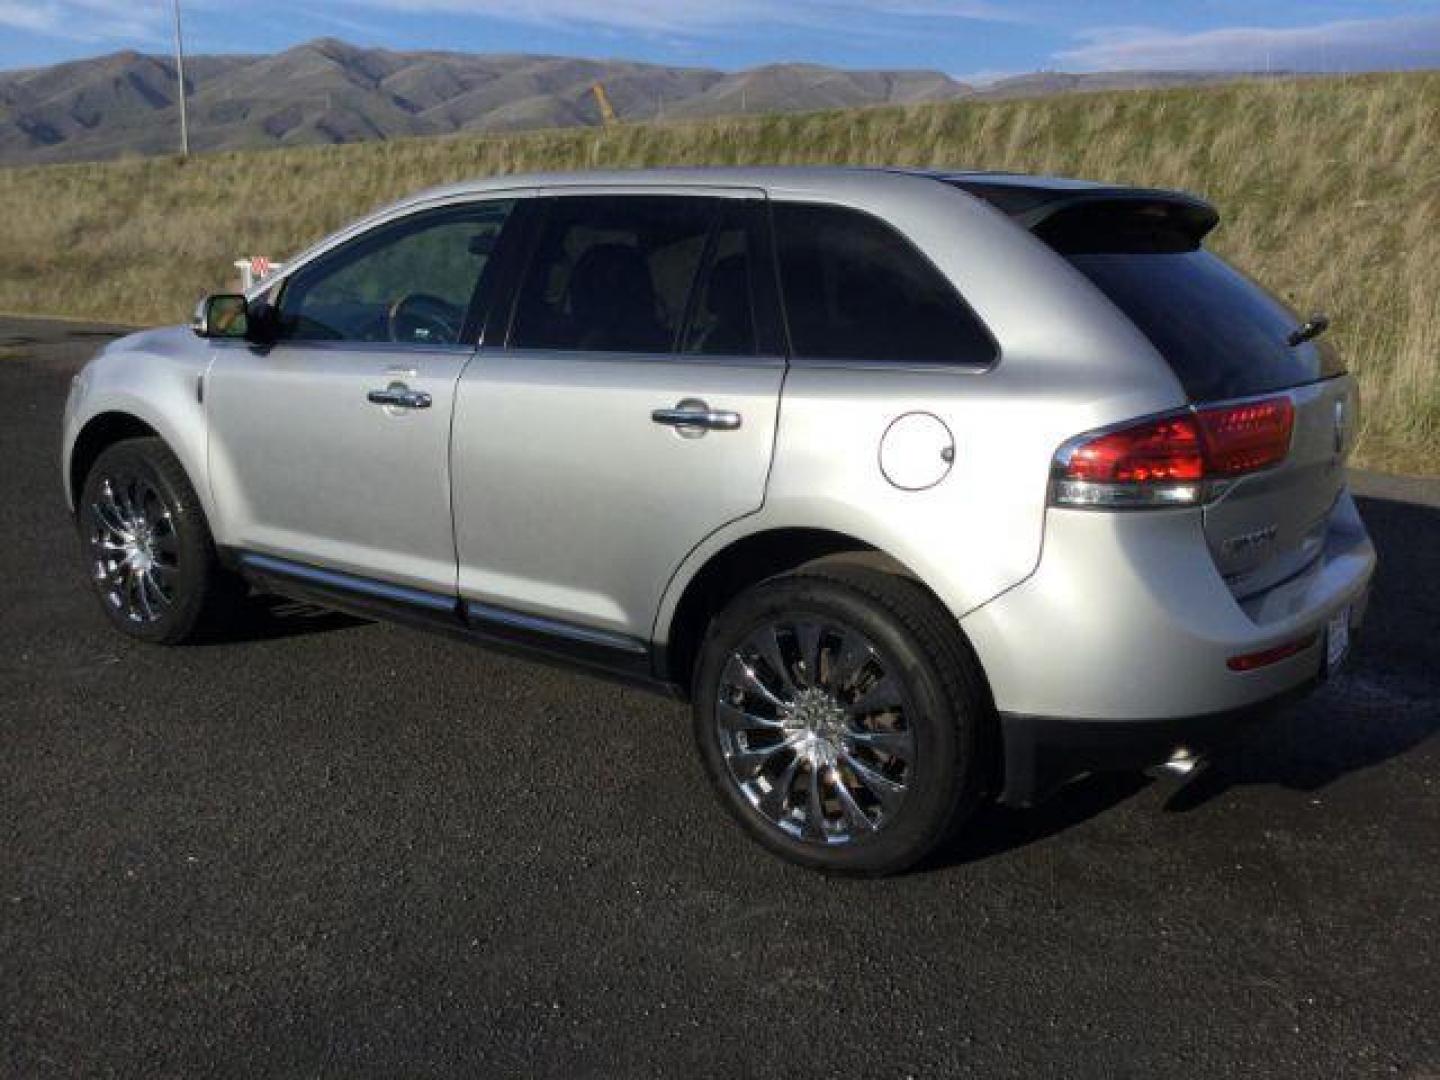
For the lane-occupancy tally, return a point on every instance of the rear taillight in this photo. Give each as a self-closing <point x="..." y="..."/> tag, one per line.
<point x="1240" y="439"/>
<point x="1169" y="460"/>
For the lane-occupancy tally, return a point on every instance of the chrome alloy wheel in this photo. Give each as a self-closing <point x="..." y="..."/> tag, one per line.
<point x="814" y="731"/>
<point x="134" y="550"/>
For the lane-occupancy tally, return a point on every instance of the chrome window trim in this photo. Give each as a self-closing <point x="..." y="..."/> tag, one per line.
<point x="378" y="347"/>
<point x="612" y="356"/>
<point x="910" y="367"/>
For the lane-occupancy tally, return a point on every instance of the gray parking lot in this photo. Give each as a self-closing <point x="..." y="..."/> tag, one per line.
<point x="327" y="847"/>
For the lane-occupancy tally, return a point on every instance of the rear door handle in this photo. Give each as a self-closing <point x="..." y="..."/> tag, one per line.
<point x="399" y="396"/>
<point x="693" y="417"/>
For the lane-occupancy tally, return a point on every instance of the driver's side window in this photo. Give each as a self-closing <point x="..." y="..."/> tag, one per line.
<point x="411" y="282"/>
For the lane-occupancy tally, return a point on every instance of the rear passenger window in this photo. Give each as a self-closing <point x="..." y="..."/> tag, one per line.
<point x="855" y="289"/>
<point x="612" y="273"/>
<point x="733" y="312"/>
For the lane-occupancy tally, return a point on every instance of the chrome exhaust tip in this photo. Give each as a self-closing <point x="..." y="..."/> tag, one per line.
<point x="1182" y="763"/>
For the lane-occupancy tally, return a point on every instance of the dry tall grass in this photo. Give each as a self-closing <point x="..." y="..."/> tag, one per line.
<point x="1329" y="189"/>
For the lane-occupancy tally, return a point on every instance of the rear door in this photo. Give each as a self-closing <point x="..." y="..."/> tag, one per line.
<point x="1225" y="338"/>
<point x="626" y="411"/>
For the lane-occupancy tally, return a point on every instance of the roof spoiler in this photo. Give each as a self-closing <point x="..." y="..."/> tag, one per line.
<point x="1099" y="218"/>
<point x="1133" y="221"/>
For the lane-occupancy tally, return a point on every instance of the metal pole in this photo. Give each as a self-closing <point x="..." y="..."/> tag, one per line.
<point x="180" y="77"/>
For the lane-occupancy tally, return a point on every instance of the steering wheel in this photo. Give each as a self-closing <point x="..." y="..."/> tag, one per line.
<point x="420" y="318"/>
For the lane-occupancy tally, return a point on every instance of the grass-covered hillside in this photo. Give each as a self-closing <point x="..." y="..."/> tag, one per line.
<point x="1329" y="191"/>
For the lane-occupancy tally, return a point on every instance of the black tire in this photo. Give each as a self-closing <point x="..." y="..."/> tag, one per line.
<point x="946" y="710"/>
<point x="189" y="595"/>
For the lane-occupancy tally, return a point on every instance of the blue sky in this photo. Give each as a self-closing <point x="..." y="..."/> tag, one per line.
<point x="966" y="38"/>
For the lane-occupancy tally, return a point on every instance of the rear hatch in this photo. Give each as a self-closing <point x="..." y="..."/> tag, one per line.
<point x="1227" y="340"/>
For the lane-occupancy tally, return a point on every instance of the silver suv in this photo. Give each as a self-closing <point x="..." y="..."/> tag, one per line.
<point x="921" y="487"/>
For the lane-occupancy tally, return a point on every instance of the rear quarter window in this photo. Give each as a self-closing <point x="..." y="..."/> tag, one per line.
<point x="855" y="289"/>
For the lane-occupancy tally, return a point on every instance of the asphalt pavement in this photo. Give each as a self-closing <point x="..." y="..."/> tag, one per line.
<point x="334" y="848"/>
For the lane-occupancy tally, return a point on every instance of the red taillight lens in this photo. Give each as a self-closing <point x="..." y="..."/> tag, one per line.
<point x="1242" y="438"/>
<point x="1160" y="450"/>
<point x="1165" y="461"/>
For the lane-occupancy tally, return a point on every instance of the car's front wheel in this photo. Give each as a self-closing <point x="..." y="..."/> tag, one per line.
<point x="151" y="557"/>
<point x="842" y="719"/>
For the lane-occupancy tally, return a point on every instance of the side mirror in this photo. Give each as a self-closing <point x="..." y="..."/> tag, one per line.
<point x="224" y="315"/>
<point x="228" y="316"/>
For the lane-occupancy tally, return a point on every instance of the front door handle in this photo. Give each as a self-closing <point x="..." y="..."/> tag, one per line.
<point x="399" y="396"/>
<point x="692" y="417"/>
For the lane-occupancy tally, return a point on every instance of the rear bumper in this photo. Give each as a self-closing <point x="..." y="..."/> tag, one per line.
<point x="1115" y="652"/>
<point x="1042" y="753"/>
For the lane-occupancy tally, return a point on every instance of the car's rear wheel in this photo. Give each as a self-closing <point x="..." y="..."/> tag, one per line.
<point x="842" y="718"/>
<point x="151" y="557"/>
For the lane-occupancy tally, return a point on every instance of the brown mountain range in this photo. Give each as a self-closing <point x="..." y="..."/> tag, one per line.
<point x="327" y="91"/>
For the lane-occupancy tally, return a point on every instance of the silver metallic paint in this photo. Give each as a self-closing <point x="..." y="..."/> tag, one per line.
<point x="304" y="466"/>
<point x="569" y="502"/>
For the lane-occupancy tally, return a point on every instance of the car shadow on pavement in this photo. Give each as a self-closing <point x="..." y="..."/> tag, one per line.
<point x="999" y="829"/>
<point x="1382" y="704"/>
<point x="272" y="618"/>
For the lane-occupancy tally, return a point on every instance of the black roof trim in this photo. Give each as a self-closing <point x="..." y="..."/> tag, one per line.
<point x="1045" y="204"/>
<point x="1039" y="204"/>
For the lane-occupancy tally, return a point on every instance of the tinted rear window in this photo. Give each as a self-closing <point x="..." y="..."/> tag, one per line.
<point x="732" y="311"/>
<point x="1222" y="335"/>
<point x="612" y="273"/>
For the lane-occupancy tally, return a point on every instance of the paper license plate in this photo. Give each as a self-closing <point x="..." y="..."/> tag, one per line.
<point x="1337" y="639"/>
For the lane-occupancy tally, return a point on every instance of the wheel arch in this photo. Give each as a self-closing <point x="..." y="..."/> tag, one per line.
<point x="750" y="559"/>
<point x="746" y="561"/>
<point x="101" y="431"/>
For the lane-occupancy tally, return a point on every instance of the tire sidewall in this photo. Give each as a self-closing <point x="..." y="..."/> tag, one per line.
<point x="143" y="458"/>
<point x="942" y="734"/>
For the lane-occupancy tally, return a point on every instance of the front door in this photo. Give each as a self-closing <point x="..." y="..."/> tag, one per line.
<point x="630" y="412"/>
<point x="331" y="447"/>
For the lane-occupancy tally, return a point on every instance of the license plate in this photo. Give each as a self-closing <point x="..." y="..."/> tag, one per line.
<point x="1337" y="639"/>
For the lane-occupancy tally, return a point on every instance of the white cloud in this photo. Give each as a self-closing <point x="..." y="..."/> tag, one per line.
<point x="987" y="76"/>
<point x="976" y="11"/>
<point x="1348" y="45"/>
<point x="84" y="20"/>
<point x="25" y="17"/>
<point x="661" y="16"/>
<point x="690" y="17"/>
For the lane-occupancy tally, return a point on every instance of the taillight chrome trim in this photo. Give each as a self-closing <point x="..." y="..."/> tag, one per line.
<point x="1092" y="495"/>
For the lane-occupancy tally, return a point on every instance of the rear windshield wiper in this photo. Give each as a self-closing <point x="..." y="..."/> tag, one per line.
<point x="1313" y="327"/>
